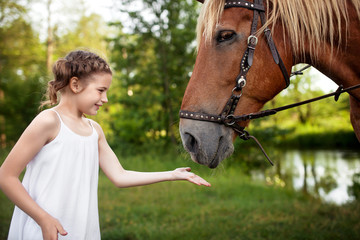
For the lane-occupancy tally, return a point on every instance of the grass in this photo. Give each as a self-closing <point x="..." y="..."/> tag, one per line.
<point x="235" y="207"/>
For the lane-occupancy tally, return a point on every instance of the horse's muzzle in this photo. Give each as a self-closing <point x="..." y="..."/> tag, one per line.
<point x="207" y="143"/>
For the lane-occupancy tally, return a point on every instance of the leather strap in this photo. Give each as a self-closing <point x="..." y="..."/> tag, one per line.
<point x="252" y="40"/>
<point x="244" y="4"/>
<point x="206" y="117"/>
<point x="273" y="111"/>
<point x="274" y="51"/>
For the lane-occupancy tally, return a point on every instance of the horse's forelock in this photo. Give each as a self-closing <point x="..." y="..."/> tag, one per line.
<point x="305" y="21"/>
<point x="209" y="17"/>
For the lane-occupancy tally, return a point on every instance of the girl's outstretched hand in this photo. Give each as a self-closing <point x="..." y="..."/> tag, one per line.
<point x="185" y="174"/>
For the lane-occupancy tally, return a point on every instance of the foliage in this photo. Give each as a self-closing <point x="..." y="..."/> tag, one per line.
<point x="88" y="33"/>
<point x="9" y="11"/>
<point x="152" y="64"/>
<point x="152" y="58"/>
<point x="355" y="188"/>
<point x="21" y="72"/>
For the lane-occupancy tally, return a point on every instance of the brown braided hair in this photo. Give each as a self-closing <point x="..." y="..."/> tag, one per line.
<point x="78" y="64"/>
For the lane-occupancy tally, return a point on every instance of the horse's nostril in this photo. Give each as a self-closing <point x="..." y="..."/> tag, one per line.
<point x="191" y="143"/>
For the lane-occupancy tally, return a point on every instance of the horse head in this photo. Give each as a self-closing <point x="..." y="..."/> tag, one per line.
<point x="223" y="50"/>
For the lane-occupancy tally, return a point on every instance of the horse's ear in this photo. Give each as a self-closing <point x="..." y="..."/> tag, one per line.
<point x="202" y="1"/>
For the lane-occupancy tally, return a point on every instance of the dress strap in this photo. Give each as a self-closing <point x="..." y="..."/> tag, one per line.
<point x="51" y="109"/>
<point x="90" y="122"/>
<point x="61" y="121"/>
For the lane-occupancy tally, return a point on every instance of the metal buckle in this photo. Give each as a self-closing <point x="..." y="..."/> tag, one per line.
<point x="231" y="119"/>
<point x="236" y="95"/>
<point x="250" y="40"/>
<point x="241" y="82"/>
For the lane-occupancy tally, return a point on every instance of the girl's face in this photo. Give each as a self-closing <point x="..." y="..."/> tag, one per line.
<point x="93" y="93"/>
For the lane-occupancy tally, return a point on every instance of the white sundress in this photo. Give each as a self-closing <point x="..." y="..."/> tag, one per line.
<point x="63" y="180"/>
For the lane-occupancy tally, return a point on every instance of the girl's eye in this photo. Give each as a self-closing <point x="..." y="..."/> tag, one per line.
<point x="101" y="90"/>
<point x="225" y="36"/>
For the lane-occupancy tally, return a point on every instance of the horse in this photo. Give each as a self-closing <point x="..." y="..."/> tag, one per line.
<point x="245" y="53"/>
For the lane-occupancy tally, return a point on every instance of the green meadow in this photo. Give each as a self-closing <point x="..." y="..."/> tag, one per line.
<point x="235" y="207"/>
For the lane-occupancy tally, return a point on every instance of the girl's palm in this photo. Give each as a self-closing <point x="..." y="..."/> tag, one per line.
<point x="186" y="174"/>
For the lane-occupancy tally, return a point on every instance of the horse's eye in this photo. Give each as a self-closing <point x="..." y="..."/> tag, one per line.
<point x="225" y="36"/>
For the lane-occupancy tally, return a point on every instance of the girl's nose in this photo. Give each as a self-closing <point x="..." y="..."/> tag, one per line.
<point x="104" y="99"/>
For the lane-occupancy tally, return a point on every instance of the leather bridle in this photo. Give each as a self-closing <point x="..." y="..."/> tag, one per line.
<point x="226" y="117"/>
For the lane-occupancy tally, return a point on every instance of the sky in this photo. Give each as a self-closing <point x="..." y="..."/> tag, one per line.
<point x="320" y="81"/>
<point x="65" y="12"/>
<point x="107" y="10"/>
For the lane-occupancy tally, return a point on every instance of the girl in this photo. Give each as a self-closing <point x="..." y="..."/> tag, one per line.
<point x="62" y="151"/>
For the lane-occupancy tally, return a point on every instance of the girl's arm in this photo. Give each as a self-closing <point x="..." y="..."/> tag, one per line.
<point x="41" y="131"/>
<point x="122" y="178"/>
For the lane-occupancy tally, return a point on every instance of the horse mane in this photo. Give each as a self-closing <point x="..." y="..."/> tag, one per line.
<point x="305" y="21"/>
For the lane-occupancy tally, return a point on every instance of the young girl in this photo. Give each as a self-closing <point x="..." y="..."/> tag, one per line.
<point x="62" y="151"/>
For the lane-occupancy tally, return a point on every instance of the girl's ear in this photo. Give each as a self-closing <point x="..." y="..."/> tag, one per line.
<point x="75" y="85"/>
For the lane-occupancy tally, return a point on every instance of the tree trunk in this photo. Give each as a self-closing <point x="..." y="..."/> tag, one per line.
<point x="168" y="101"/>
<point x="2" y="125"/>
<point x="50" y="41"/>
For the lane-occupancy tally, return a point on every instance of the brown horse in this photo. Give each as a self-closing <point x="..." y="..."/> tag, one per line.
<point x="325" y="34"/>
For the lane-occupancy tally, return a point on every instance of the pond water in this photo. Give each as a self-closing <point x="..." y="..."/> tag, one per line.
<point x="333" y="176"/>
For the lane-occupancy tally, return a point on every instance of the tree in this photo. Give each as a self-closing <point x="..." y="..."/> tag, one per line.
<point x="21" y="71"/>
<point x="88" y="32"/>
<point x="10" y="10"/>
<point x="153" y="62"/>
<point x="24" y="60"/>
<point x="49" y="41"/>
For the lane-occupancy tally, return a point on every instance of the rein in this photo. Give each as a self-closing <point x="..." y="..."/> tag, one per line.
<point x="227" y="117"/>
<point x="273" y="111"/>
